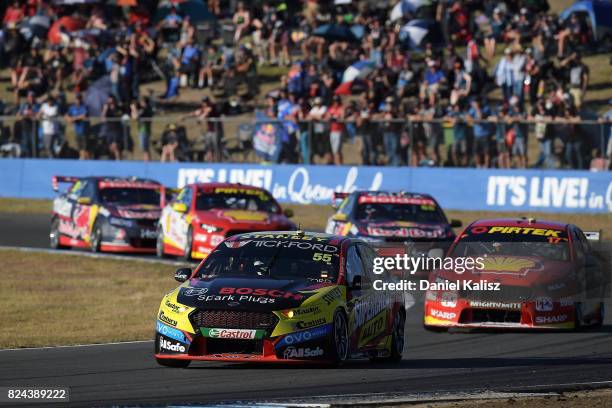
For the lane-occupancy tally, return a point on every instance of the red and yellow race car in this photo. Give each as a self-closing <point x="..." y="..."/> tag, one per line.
<point x="114" y="214"/>
<point x="523" y="273"/>
<point x="202" y="215"/>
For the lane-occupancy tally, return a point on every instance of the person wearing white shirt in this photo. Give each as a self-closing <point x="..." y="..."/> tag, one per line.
<point x="48" y="114"/>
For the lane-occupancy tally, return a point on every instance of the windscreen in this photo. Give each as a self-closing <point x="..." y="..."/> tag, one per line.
<point x="543" y="243"/>
<point x="381" y="209"/>
<point x="291" y="259"/>
<point x="130" y="196"/>
<point x="236" y="199"/>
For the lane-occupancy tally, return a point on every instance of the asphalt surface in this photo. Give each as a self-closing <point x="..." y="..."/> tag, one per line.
<point x="126" y="374"/>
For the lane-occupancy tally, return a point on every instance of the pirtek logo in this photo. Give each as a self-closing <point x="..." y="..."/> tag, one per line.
<point x="168" y="345"/>
<point x="273" y="293"/>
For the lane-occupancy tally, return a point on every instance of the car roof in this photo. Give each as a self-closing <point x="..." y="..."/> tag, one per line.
<point x="515" y="222"/>
<point x="123" y="179"/>
<point x="391" y="193"/>
<point x="329" y="238"/>
<point x="223" y="185"/>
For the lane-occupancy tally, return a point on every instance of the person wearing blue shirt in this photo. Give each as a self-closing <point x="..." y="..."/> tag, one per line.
<point x="77" y="114"/>
<point x="190" y="61"/>
<point x="482" y="132"/>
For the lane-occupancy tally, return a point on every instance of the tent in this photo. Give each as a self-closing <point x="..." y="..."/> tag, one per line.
<point x="600" y="14"/>
<point x="418" y="32"/>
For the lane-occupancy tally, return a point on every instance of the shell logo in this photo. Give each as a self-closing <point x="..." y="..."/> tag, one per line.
<point x="240" y="215"/>
<point x="507" y="265"/>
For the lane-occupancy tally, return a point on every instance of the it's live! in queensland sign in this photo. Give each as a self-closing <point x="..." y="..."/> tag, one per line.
<point x="454" y="188"/>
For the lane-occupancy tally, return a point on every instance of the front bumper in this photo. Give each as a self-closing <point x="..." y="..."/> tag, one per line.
<point x="137" y="239"/>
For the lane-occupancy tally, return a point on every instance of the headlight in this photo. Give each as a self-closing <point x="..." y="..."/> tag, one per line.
<point x="210" y="228"/>
<point x="121" y="222"/>
<point x="302" y="311"/>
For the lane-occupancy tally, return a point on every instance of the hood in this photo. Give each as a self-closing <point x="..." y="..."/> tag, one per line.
<point x="516" y="271"/>
<point x="405" y="229"/>
<point x="261" y="295"/>
<point x="242" y="219"/>
<point x="136" y="211"/>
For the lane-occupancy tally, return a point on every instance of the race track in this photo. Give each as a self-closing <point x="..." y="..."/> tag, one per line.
<point x="123" y="374"/>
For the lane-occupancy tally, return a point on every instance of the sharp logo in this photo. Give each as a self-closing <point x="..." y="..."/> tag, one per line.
<point x="170" y="346"/>
<point x="166" y="319"/>
<point x="551" y="319"/>
<point x="292" y="352"/>
<point x="442" y="314"/>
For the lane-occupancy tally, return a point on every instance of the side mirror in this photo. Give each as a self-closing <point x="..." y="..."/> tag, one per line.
<point x="288" y="212"/>
<point x="182" y="274"/>
<point x="356" y="283"/>
<point x="84" y="200"/>
<point x="456" y="223"/>
<point x="179" y="207"/>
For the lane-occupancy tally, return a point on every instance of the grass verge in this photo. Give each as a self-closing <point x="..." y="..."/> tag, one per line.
<point x="78" y="300"/>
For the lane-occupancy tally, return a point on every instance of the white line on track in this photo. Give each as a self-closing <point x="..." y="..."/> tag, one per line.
<point x="135" y="258"/>
<point x="77" y="345"/>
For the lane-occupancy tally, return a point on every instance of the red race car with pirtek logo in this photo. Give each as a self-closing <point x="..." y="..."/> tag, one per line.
<point x="202" y="215"/>
<point x="522" y="274"/>
<point x="111" y="214"/>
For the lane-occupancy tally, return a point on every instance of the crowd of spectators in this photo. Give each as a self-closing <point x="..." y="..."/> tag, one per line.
<point x="442" y="96"/>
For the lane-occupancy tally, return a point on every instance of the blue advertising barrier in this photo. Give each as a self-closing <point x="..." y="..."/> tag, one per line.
<point x="454" y="188"/>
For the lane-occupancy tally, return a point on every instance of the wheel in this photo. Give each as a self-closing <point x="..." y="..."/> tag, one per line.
<point x="159" y="243"/>
<point x="96" y="237"/>
<point x="167" y="362"/>
<point x="54" y="235"/>
<point x="397" y="337"/>
<point x="339" y="338"/>
<point x="188" y="245"/>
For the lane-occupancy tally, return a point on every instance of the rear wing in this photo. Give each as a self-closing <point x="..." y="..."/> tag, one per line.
<point x="56" y="180"/>
<point x="338" y="197"/>
<point x="593" y="235"/>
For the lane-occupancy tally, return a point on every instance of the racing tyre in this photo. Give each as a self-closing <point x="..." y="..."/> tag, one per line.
<point x="167" y="362"/>
<point x="188" y="245"/>
<point x="339" y="339"/>
<point x="96" y="237"/>
<point x="397" y="337"/>
<point x="54" y="235"/>
<point x="159" y="243"/>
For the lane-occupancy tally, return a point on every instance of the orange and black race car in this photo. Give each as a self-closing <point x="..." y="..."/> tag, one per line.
<point x="202" y="215"/>
<point x="111" y="214"/>
<point x="522" y="273"/>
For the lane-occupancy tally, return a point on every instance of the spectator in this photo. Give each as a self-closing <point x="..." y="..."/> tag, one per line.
<point x="504" y="74"/>
<point x="391" y="129"/>
<point x="542" y="134"/>
<point x="578" y="78"/>
<point x="49" y="113"/>
<point x="320" y="143"/>
<point x="430" y="87"/>
<point x="142" y="111"/>
<point x="169" y="142"/>
<point x="207" y="115"/>
<point x="462" y="83"/>
<point x="365" y="130"/>
<point x="516" y="137"/>
<point x="482" y="133"/>
<point x="574" y="156"/>
<point x="112" y="129"/>
<point x="78" y="114"/>
<point x="26" y="116"/>
<point x="336" y="116"/>
<point x="241" y="20"/>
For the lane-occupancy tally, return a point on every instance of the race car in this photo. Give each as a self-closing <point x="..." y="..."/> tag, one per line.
<point x="390" y="217"/>
<point x="287" y="297"/>
<point x="202" y="215"/>
<point x="111" y="214"/>
<point x="523" y="274"/>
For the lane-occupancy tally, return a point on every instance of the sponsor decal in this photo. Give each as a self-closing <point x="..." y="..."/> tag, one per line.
<point x="166" y="319"/>
<point x="148" y="234"/>
<point x="373" y="328"/>
<point x="331" y="296"/>
<point x="495" y="305"/>
<point x="449" y="299"/>
<point x="566" y="301"/>
<point x="237" y="244"/>
<point x="216" y="239"/>
<point x="200" y="237"/>
<point x="168" y="345"/>
<point x="551" y="319"/>
<point x="304" y="336"/>
<point x="174" y="307"/>
<point x="544" y="304"/>
<point x="393" y="199"/>
<point x="241" y="334"/>
<point x="306" y="310"/>
<point x="293" y="237"/>
<point x="440" y="314"/>
<point x="170" y="332"/>
<point x="308" y="246"/>
<point x="251" y="216"/>
<point x="366" y="309"/>
<point x="272" y="293"/>
<point x="519" y="230"/>
<point x="242" y="191"/>
<point x="199" y="292"/>
<point x="310" y="323"/>
<point x="406" y="232"/>
<point x="292" y="352"/>
<point x="509" y="265"/>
